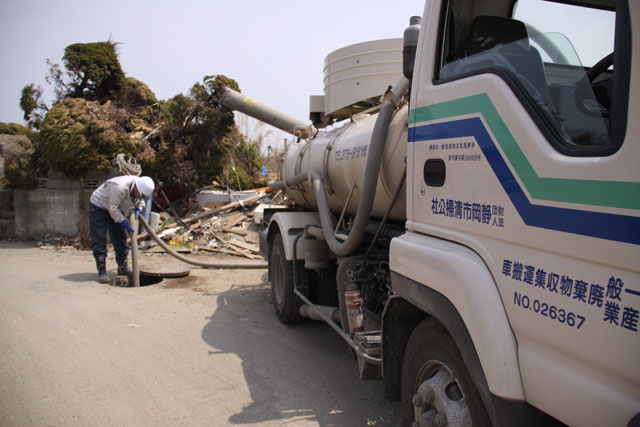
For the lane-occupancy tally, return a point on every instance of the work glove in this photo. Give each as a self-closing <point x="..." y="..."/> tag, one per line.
<point x="127" y="226"/>
<point x="138" y="212"/>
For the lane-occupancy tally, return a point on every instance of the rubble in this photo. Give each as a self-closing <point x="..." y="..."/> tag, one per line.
<point x="228" y="229"/>
<point x="59" y="242"/>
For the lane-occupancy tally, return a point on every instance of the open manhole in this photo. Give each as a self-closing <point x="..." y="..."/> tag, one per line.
<point x="146" y="280"/>
<point x="154" y="274"/>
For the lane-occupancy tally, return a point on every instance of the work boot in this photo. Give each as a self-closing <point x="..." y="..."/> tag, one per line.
<point x="102" y="274"/>
<point x="124" y="269"/>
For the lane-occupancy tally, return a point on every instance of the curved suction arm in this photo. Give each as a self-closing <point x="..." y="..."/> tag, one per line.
<point x="370" y="183"/>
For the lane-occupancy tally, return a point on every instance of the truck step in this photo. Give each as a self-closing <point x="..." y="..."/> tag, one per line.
<point x="371" y="342"/>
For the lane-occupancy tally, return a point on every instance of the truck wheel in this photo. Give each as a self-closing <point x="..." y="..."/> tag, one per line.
<point x="436" y="387"/>
<point x="286" y="303"/>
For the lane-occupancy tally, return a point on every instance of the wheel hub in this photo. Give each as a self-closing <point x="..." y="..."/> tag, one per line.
<point x="439" y="400"/>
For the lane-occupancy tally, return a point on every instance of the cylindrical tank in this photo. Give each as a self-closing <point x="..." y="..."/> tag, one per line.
<point x="340" y="157"/>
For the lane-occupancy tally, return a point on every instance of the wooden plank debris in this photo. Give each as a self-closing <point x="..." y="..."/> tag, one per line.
<point x="210" y="212"/>
<point x="252" y="248"/>
<point x="233" y="220"/>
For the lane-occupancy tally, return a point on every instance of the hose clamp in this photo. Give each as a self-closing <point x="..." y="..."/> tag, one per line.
<point x="390" y="96"/>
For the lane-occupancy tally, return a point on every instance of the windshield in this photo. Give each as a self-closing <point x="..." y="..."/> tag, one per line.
<point x="548" y="68"/>
<point x="590" y="31"/>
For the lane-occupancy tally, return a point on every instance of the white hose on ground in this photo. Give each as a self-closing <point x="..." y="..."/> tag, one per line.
<point x="194" y="262"/>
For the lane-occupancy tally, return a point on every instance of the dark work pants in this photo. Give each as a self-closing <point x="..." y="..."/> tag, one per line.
<point x="100" y="222"/>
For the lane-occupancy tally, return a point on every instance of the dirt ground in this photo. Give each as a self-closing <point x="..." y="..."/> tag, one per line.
<point x="206" y="350"/>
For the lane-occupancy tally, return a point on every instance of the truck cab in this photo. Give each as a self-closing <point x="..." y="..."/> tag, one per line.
<point x="523" y="193"/>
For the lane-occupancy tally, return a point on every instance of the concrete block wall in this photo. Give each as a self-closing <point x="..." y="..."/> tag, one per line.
<point x="44" y="211"/>
<point x="7" y="223"/>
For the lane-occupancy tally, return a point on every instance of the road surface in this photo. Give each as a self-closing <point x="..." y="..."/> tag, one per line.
<point x="206" y="350"/>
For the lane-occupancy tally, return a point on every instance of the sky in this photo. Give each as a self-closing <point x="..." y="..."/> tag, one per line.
<point x="274" y="49"/>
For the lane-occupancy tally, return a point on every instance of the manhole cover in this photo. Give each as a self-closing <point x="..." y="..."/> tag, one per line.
<point x="151" y="275"/>
<point x="165" y="270"/>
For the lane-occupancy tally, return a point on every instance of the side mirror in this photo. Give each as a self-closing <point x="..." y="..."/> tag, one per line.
<point x="410" y="45"/>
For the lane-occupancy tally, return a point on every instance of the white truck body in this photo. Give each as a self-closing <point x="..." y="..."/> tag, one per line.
<point x="517" y="233"/>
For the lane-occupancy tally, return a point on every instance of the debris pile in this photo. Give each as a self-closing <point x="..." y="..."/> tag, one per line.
<point x="228" y="229"/>
<point x="58" y="242"/>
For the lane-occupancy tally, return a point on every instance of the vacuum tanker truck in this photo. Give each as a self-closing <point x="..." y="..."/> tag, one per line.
<point x="465" y="212"/>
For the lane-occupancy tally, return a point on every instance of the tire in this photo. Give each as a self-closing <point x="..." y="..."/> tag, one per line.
<point x="286" y="303"/>
<point x="436" y="386"/>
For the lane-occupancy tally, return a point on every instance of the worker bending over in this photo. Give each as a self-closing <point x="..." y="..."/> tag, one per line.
<point x="109" y="207"/>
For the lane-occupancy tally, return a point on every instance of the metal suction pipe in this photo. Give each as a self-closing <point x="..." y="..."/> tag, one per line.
<point x="134" y="250"/>
<point x="249" y="106"/>
<point x="192" y="261"/>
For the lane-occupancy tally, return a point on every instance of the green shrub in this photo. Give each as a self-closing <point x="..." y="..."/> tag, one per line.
<point x="17" y="173"/>
<point x="78" y="136"/>
<point x="135" y="94"/>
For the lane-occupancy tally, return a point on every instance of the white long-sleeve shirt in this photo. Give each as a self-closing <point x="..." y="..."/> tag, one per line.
<point x="116" y="196"/>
